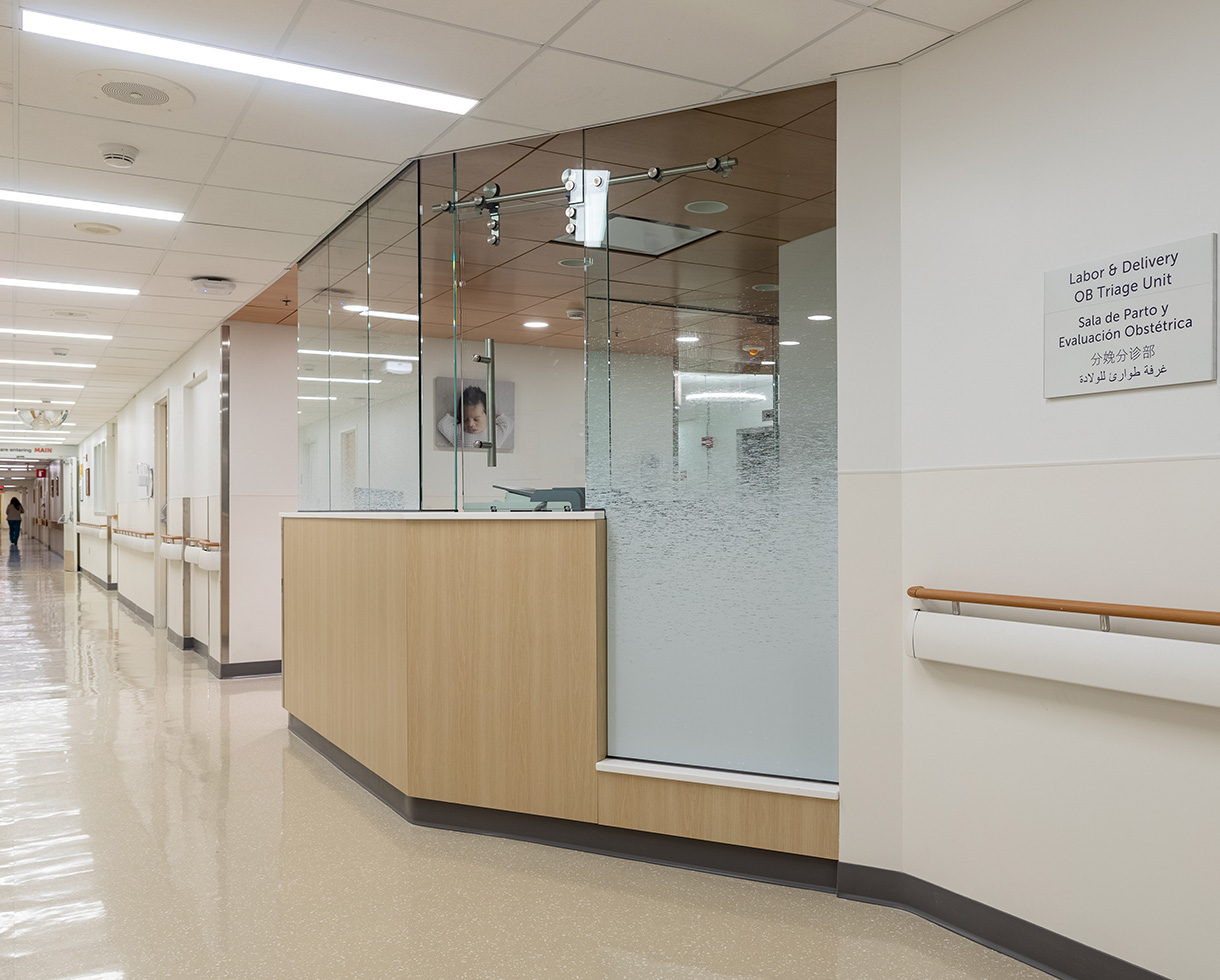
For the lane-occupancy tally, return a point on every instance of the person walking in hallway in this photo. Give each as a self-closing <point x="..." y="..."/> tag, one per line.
<point x="13" y="514"/>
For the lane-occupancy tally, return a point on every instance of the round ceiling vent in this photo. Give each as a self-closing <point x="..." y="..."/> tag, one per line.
<point x="135" y="88"/>
<point x="97" y="228"/>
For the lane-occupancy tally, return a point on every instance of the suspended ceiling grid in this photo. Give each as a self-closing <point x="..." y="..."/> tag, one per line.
<point x="264" y="169"/>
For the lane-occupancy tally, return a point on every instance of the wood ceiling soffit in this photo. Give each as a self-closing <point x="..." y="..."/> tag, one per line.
<point x="778" y="108"/>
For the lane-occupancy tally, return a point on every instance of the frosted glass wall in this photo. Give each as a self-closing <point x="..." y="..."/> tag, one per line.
<point x="721" y="507"/>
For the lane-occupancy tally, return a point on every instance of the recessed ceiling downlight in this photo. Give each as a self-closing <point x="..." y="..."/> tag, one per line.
<point x="692" y="339"/>
<point x="97" y="228"/>
<point x="790" y="343"/>
<point x="766" y="287"/>
<point x="706" y="207"/>
<point x="535" y="324"/>
<point x="820" y="316"/>
<point x="576" y="263"/>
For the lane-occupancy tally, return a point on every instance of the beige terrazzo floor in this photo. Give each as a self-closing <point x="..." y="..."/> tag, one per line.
<point x="157" y="823"/>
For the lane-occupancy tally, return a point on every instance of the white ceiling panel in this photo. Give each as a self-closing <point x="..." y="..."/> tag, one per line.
<point x="6" y="129"/>
<point x="469" y="131"/>
<point x="332" y="121"/>
<point x="112" y="186"/>
<point x="870" y="39"/>
<point x="165" y="306"/>
<point x="304" y="173"/>
<point x="138" y="322"/>
<point x="675" y="31"/>
<point x="58" y="223"/>
<point x="227" y="206"/>
<point x="256" y="27"/>
<point x="80" y="256"/>
<point x="179" y="288"/>
<point x="530" y="20"/>
<point x="241" y="242"/>
<point x="386" y="44"/>
<point x="49" y="68"/>
<point x="953" y="15"/>
<point x="6" y="58"/>
<point x="188" y="265"/>
<point x="558" y="90"/>
<point x="73" y="139"/>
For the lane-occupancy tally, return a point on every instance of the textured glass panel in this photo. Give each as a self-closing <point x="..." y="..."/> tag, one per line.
<point x="721" y="507"/>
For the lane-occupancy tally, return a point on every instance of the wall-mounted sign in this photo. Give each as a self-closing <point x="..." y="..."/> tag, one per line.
<point x="1138" y="320"/>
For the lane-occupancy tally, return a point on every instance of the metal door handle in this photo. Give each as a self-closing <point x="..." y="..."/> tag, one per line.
<point x="489" y="358"/>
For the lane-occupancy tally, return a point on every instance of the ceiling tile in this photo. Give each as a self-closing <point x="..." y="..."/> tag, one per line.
<point x="304" y="173"/>
<point x="469" y="132"/>
<point x="722" y="43"/>
<point x="383" y="43"/>
<point x="558" y="90"/>
<point x="108" y="185"/>
<point x="73" y="139"/>
<point x="329" y="121"/>
<point x="93" y="256"/>
<point x="48" y="74"/>
<point x="953" y="15"/>
<point x="59" y="223"/>
<point x="530" y="20"/>
<point x="170" y="289"/>
<point x="241" y="242"/>
<point x="868" y="40"/>
<point x="260" y="26"/>
<point x="135" y="320"/>
<point x="189" y="265"/>
<point x="270" y="212"/>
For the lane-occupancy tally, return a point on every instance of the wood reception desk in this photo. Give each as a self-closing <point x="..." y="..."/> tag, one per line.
<point x="461" y="659"/>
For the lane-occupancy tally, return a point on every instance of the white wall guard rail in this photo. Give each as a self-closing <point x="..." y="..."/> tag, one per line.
<point x="171" y="547"/>
<point x="92" y="530"/>
<point x="133" y="540"/>
<point x="1153" y="666"/>
<point x="202" y="553"/>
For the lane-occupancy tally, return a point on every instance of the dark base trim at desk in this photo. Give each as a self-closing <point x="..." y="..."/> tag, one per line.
<point x="1048" y="951"/>
<point x="251" y="668"/>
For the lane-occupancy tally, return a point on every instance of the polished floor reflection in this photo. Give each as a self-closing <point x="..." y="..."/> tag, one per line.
<point x="158" y="823"/>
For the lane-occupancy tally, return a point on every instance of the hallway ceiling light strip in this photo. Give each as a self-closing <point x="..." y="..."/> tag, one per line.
<point x="346" y="381"/>
<point x="317" y="398"/>
<point x="58" y="364"/>
<point x="207" y="56"/>
<point x="99" y="207"/>
<point x="71" y="287"/>
<point x="39" y="384"/>
<point x="22" y="424"/>
<point x="353" y="308"/>
<point x="55" y="333"/>
<point x="35" y="402"/>
<point x="346" y="353"/>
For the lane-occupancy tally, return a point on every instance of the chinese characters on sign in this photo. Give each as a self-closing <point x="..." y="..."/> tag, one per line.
<point x="1156" y="307"/>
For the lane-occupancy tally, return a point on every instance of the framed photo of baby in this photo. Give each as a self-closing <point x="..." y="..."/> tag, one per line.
<point x="461" y="418"/>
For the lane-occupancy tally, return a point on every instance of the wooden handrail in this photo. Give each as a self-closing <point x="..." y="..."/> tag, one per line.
<point x="203" y="543"/>
<point x="171" y="537"/>
<point x="100" y="527"/>
<point x="1165" y="614"/>
<point x="133" y="534"/>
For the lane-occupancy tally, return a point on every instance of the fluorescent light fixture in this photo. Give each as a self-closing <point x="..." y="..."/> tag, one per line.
<point x="38" y="384"/>
<point x="99" y="207"/>
<point x="686" y="340"/>
<point x="55" y="333"/>
<point x="725" y="396"/>
<point x="71" y="364"/>
<point x="820" y="316"/>
<point x="317" y="398"/>
<point x="767" y="363"/>
<point x="345" y="381"/>
<point x="39" y="441"/>
<point x="363" y="357"/>
<point x="790" y="343"/>
<point x="71" y="287"/>
<point x="207" y="56"/>
<point x="383" y="314"/>
<point x="33" y="402"/>
<point x="535" y="324"/>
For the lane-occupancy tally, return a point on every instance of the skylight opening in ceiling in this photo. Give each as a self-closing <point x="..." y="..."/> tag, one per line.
<point x="641" y="236"/>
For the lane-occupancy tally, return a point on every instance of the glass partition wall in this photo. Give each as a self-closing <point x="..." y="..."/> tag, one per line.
<point x="680" y="370"/>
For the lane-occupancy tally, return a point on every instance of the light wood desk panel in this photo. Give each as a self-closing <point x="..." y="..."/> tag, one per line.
<point x="506" y="664"/>
<point x="345" y="627"/>
<point x="773" y="821"/>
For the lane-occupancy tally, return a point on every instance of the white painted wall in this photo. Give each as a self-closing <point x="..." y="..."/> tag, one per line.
<point x="1088" y="812"/>
<point x="262" y="481"/>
